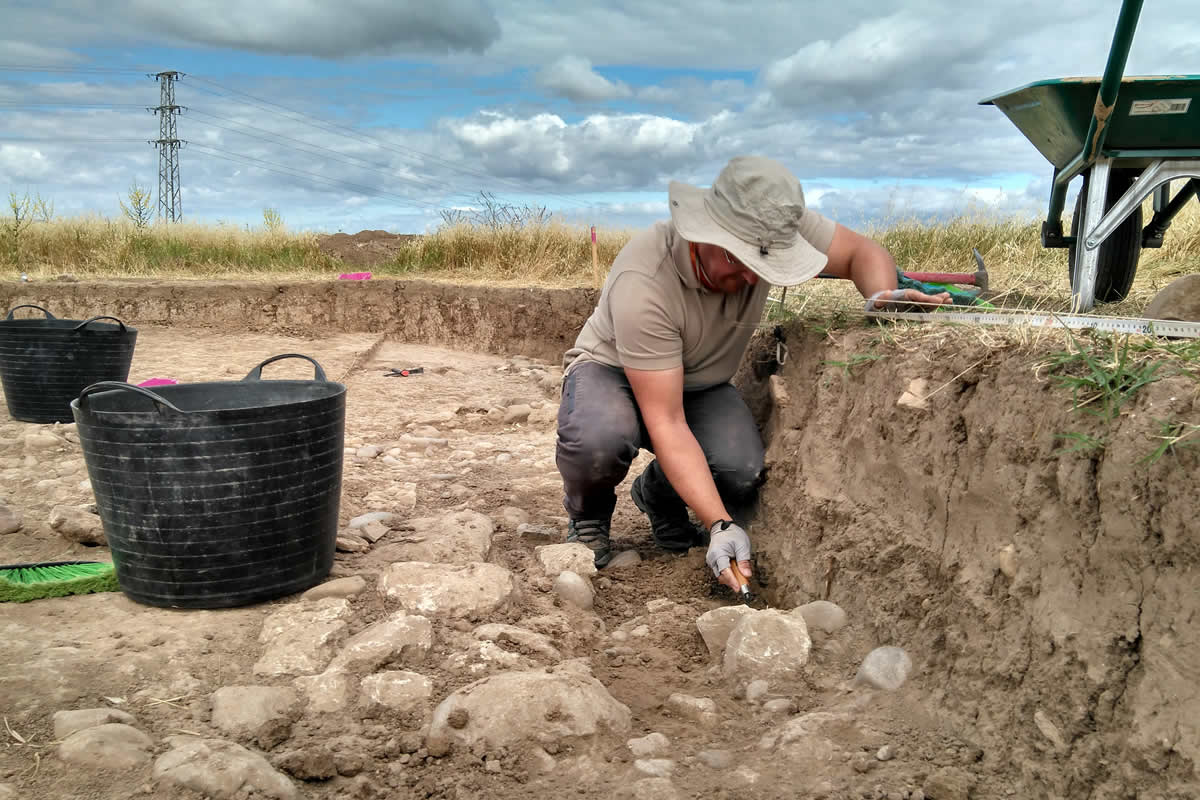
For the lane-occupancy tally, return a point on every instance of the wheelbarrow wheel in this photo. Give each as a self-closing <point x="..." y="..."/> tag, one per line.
<point x="1119" y="253"/>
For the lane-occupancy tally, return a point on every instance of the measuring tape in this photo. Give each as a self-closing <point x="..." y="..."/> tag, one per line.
<point x="1033" y="319"/>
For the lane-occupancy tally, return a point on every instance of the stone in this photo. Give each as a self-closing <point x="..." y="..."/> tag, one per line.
<point x="649" y="746"/>
<point x="1006" y="561"/>
<point x="949" y="783"/>
<point x="41" y="440"/>
<point x="460" y="537"/>
<point x="362" y="520"/>
<point x="757" y="690"/>
<point x="220" y="770"/>
<point x="526" y="641"/>
<point x="780" y="706"/>
<point x="885" y="668"/>
<point x="575" y="590"/>
<point x="301" y="638"/>
<point x="397" y="690"/>
<point x="470" y="591"/>
<point x="655" y="767"/>
<point x="823" y="615"/>
<point x="69" y="722"/>
<point x="516" y="708"/>
<point x="339" y="587"/>
<point x="805" y="738"/>
<point x="623" y="559"/>
<point x="10" y="520"/>
<point x="538" y="529"/>
<point x="716" y="759"/>
<point x="649" y="789"/>
<point x="262" y="714"/>
<point x="368" y="452"/>
<point x="916" y="396"/>
<point x="77" y="525"/>
<point x="640" y="632"/>
<point x="373" y="531"/>
<point x="885" y="753"/>
<point x="109" y="746"/>
<point x="402" y="638"/>
<point x="482" y="658"/>
<point x="697" y="709"/>
<point x="767" y="645"/>
<point x="1180" y="300"/>
<point x="308" y="764"/>
<point x="513" y="517"/>
<point x="352" y="544"/>
<point x="567" y="557"/>
<point x="328" y="692"/>
<point x="517" y="414"/>
<point x="1049" y="730"/>
<point x="716" y="625"/>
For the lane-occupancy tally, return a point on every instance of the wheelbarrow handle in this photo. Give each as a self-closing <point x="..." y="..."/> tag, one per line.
<point x="30" y="305"/>
<point x="81" y="325"/>
<point x="105" y="386"/>
<point x="256" y="373"/>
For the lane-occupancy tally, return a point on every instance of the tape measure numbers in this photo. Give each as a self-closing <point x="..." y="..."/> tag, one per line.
<point x="1145" y="327"/>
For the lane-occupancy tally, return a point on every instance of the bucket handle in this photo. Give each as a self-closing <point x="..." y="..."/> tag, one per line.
<point x="93" y="319"/>
<point x="256" y="373"/>
<point x="29" y="305"/>
<point x="104" y="386"/>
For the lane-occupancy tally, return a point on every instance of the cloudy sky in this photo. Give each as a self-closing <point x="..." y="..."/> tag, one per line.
<point x="386" y="113"/>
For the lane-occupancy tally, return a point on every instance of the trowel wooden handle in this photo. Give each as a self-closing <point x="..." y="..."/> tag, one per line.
<point x="737" y="574"/>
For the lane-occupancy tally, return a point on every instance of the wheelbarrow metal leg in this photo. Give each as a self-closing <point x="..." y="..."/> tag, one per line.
<point x="1087" y="259"/>
<point x="1152" y="235"/>
<point x="1160" y="173"/>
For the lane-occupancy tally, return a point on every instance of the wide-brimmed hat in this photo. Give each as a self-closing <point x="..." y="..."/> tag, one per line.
<point x="753" y="210"/>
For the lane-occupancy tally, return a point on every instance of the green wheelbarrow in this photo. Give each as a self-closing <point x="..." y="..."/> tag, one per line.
<point x="1129" y="138"/>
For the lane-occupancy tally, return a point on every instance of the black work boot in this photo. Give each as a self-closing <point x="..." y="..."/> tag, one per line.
<point x="594" y="534"/>
<point x="670" y="526"/>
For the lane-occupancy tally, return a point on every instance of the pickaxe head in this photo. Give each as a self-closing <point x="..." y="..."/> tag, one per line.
<point x="981" y="275"/>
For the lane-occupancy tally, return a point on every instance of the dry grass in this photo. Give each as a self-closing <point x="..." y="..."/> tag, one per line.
<point x="552" y="254"/>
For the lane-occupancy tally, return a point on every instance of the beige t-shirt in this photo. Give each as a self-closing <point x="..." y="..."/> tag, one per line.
<point x="653" y="313"/>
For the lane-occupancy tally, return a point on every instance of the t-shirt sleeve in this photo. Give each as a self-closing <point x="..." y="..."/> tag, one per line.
<point x="647" y="337"/>
<point x="818" y="230"/>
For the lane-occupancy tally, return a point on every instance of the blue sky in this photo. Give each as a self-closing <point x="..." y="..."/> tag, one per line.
<point x="374" y="114"/>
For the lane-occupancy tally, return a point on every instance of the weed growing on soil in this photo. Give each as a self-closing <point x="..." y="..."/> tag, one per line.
<point x="856" y="360"/>
<point x="1101" y="383"/>
<point x="1080" y="443"/>
<point x="1173" y="436"/>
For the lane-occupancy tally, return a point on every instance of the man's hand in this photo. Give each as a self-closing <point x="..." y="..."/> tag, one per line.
<point x="903" y="300"/>
<point x="728" y="542"/>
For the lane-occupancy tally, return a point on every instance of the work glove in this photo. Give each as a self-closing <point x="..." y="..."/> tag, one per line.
<point x="728" y="542"/>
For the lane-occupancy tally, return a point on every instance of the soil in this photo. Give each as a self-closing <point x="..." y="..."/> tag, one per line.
<point x="365" y="248"/>
<point x="1046" y="599"/>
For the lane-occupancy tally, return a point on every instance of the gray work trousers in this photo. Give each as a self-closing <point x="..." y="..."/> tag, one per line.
<point x="600" y="431"/>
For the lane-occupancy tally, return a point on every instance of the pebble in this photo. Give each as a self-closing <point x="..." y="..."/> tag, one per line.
<point x="649" y="746"/>
<point x="339" y="587"/>
<point x="756" y="691"/>
<point x="716" y="759"/>
<point x="697" y="709"/>
<point x="640" y="632"/>
<point x="374" y="516"/>
<point x="370" y="451"/>
<point x="885" y="668"/>
<point x="517" y="413"/>
<point x="575" y="590"/>
<point x="10" y="520"/>
<point x="69" y="722"/>
<point x="352" y="544"/>
<point x="655" y="767"/>
<point x="885" y="753"/>
<point x="780" y="706"/>
<point x="109" y="746"/>
<point x="822" y="614"/>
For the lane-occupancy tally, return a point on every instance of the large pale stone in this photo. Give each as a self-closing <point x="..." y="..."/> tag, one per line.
<point x="767" y="645"/>
<point x="460" y="537"/>
<point x="78" y="525"/>
<point x="339" y="587"/>
<point x="397" y="691"/>
<point x="108" y="746"/>
<point x="401" y="638"/>
<point x="823" y="615"/>
<point x="302" y="638"/>
<point x="470" y="591"/>
<point x="567" y="557"/>
<point x="716" y="625"/>
<point x="263" y="714"/>
<point x="517" y="708"/>
<point x="524" y="640"/>
<point x="328" y="692"/>
<point x="221" y="770"/>
<point x="68" y="722"/>
<point x="1180" y="300"/>
<point x="575" y="590"/>
<point x="885" y="668"/>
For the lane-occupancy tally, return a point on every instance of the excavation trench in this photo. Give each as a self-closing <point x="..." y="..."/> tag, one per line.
<point x="1046" y="598"/>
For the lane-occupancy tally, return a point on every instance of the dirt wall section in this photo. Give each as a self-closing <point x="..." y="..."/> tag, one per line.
<point x="1049" y="599"/>
<point x="534" y="322"/>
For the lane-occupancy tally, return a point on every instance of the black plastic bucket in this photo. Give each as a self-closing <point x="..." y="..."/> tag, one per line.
<point x="46" y="363"/>
<point x="216" y="494"/>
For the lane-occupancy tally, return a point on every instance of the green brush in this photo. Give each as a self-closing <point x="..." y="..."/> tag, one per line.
<point x="20" y="583"/>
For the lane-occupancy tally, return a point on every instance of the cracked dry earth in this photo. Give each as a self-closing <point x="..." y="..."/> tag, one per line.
<point x="459" y="649"/>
